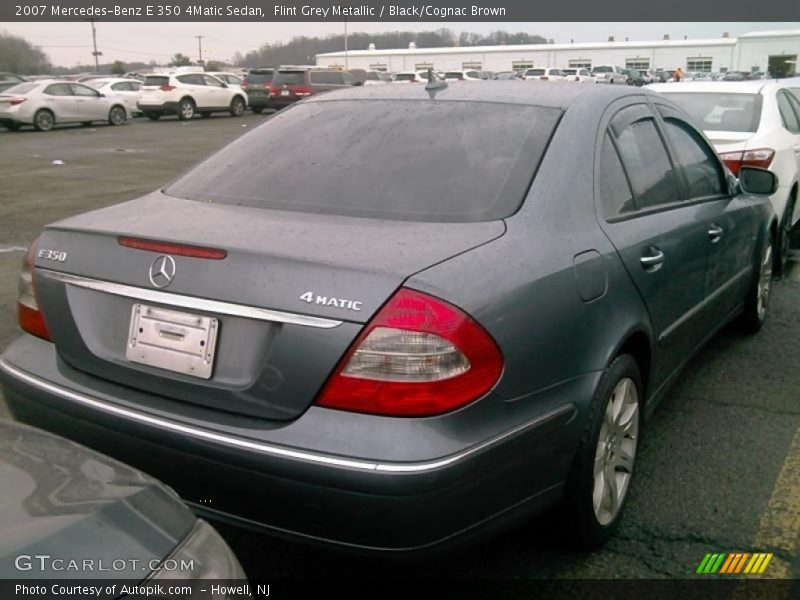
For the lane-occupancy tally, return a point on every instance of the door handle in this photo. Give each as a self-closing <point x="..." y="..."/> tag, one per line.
<point x="715" y="233"/>
<point x="652" y="262"/>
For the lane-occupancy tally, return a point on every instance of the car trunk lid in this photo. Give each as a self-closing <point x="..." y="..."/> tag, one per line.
<point x="291" y="293"/>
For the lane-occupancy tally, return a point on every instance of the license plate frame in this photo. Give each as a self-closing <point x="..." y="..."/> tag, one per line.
<point x="175" y="341"/>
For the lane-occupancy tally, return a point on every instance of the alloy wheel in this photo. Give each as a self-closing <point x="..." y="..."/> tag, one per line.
<point x="616" y="451"/>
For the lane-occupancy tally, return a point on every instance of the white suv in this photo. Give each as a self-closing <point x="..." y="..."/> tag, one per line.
<point x="610" y="74"/>
<point x="188" y="94"/>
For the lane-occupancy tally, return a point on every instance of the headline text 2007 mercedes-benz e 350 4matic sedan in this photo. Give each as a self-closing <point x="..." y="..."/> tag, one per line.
<point x="454" y="309"/>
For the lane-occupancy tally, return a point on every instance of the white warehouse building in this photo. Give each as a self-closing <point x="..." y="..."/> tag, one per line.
<point x="773" y="51"/>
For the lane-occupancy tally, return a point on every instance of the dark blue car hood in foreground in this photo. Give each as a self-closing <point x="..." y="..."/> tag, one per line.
<point x="65" y="502"/>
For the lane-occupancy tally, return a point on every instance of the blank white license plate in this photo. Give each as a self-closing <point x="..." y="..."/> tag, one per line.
<point x="172" y="340"/>
<point x="284" y="92"/>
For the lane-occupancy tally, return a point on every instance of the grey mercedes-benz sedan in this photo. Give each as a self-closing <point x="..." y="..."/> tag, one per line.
<point x="451" y="310"/>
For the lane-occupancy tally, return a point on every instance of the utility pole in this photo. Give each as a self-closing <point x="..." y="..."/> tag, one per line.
<point x="95" y="53"/>
<point x="200" y="49"/>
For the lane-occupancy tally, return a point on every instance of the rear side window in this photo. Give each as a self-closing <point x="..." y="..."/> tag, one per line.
<point x="788" y="116"/>
<point x="382" y="159"/>
<point x="289" y="78"/>
<point x="326" y="77"/>
<point x="156" y="80"/>
<point x="535" y="72"/>
<point x="616" y="198"/>
<point x="701" y="169"/>
<point x="645" y="158"/>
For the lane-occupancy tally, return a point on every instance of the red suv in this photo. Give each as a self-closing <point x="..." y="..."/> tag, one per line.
<point x="290" y="84"/>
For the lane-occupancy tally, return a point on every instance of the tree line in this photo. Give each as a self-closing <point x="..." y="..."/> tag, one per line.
<point x="17" y="55"/>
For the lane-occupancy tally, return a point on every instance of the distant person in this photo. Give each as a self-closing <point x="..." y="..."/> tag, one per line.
<point x="678" y="74"/>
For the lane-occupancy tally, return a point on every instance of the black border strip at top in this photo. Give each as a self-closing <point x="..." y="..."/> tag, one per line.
<point x="428" y="11"/>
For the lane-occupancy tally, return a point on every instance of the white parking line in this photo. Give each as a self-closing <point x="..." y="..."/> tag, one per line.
<point x="13" y="249"/>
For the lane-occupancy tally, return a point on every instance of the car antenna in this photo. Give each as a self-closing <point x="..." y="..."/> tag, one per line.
<point x="435" y="84"/>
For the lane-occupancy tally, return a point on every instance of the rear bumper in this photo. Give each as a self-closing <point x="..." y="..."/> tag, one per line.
<point x="164" y="107"/>
<point x="242" y="475"/>
<point x="277" y="102"/>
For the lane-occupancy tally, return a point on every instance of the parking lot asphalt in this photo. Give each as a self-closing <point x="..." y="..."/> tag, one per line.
<point x="719" y="463"/>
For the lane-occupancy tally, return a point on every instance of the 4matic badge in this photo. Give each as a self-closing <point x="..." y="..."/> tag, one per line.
<point x="313" y="298"/>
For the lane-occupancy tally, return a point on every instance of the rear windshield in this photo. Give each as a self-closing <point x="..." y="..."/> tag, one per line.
<point x="405" y="77"/>
<point x="259" y="77"/>
<point x="602" y="70"/>
<point x="721" y="111"/>
<point x="290" y="78"/>
<point x="156" y="80"/>
<point x="535" y="72"/>
<point x="20" y="88"/>
<point x="409" y="160"/>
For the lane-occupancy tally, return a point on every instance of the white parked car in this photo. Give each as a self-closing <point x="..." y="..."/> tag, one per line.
<point x="582" y="75"/>
<point x="752" y="123"/>
<point x="544" y="74"/>
<point x="50" y="102"/>
<point x="610" y="74"/>
<point x="127" y="89"/>
<point x="464" y="76"/>
<point x="411" y="77"/>
<point x="189" y="94"/>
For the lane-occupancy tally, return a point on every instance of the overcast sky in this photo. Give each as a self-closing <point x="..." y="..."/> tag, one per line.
<point x="69" y="44"/>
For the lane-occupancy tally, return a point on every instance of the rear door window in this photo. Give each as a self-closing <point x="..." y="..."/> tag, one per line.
<point x="645" y="157"/>
<point x="616" y="197"/>
<point x="59" y="89"/>
<point x="382" y="159"/>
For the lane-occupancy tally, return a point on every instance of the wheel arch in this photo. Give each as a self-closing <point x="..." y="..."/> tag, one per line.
<point x="639" y="345"/>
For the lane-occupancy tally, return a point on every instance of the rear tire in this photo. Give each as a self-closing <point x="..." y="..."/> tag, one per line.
<point x="153" y="116"/>
<point x="757" y="301"/>
<point x="785" y="236"/>
<point x="602" y="471"/>
<point x="117" y="116"/>
<point x="237" y="107"/>
<point x="44" y="120"/>
<point x="186" y="109"/>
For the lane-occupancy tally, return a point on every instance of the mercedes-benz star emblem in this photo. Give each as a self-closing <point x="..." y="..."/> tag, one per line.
<point x="162" y="271"/>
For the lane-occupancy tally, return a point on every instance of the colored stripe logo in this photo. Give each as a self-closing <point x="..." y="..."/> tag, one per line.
<point x="734" y="562"/>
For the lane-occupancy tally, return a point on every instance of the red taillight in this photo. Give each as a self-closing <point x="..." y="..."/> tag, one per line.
<point x="577" y="78"/>
<point x="301" y="90"/>
<point x="167" y="87"/>
<point x="418" y="356"/>
<point x="174" y="249"/>
<point x="244" y="83"/>
<point x="29" y="315"/>
<point x="760" y="157"/>
<point x="544" y="78"/>
<point x="16" y="101"/>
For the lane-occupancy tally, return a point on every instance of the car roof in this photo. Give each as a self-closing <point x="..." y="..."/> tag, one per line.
<point x="732" y="87"/>
<point x="530" y="93"/>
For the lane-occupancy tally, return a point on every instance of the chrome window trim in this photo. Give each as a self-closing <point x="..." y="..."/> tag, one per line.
<point x="190" y="302"/>
<point x="275" y="450"/>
